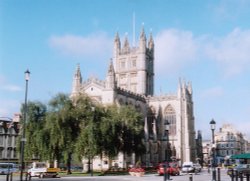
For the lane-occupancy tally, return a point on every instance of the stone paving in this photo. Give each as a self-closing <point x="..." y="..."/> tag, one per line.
<point x="202" y="176"/>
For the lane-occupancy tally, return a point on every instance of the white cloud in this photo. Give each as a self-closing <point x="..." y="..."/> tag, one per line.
<point x="174" y="49"/>
<point x="230" y="9"/>
<point x="5" y="86"/>
<point x="212" y="92"/>
<point x="12" y="88"/>
<point x="231" y="52"/>
<point x="244" y="129"/>
<point x="9" y="107"/>
<point x="93" y="45"/>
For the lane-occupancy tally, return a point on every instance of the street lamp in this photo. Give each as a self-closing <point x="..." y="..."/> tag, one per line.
<point x="167" y="126"/>
<point x="23" y="139"/>
<point x="212" y="124"/>
<point x="92" y="166"/>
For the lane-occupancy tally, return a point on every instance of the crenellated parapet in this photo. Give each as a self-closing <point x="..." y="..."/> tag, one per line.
<point x="93" y="80"/>
<point x="165" y="97"/>
<point x="185" y="90"/>
<point x="131" y="94"/>
<point x="144" y="46"/>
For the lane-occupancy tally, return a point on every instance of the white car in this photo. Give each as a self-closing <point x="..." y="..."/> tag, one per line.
<point x="7" y="168"/>
<point x="187" y="167"/>
<point x="197" y="167"/>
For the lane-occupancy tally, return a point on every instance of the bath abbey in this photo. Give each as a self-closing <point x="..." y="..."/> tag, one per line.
<point x="130" y="80"/>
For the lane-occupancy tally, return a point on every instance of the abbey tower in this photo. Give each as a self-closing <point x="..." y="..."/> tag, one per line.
<point x="130" y="80"/>
<point x="134" y="66"/>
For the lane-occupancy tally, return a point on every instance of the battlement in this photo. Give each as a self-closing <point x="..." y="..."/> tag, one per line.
<point x="94" y="80"/>
<point x="169" y="96"/>
<point x="131" y="94"/>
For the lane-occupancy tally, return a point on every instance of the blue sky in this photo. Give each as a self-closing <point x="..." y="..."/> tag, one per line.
<point x="205" y="42"/>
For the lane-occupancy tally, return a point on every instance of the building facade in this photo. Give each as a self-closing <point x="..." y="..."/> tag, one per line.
<point x="130" y="80"/>
<point x="206" y="149"/>
<point x="199" y="148"/>
<point x="9" y="132"/>
<point x="229" y="142"/>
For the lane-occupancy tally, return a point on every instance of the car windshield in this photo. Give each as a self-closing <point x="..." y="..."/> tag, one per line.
<point x="241" y="166"/>
<point x="187" y="166"/>
<point x="6" y="165"/>
<point x="173" y="164"/>
<point x="40" y="165"/>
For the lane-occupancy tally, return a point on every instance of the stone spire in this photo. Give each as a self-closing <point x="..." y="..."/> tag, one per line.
<point x="125" y="48"/>
<point x="190" y="89"/>
<point x="151" y="42"/>
<point x="143" y="40"/>
<point x="117" y="45"/>
<point x="77" y="81"/>
<point x="142" y="35"/>
<point x="110" y="79"/>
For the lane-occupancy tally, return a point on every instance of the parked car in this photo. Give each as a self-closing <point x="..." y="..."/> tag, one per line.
<point x="7" y="168"/>
<point x="197" y="167"/>
<point x="188" y="167"/>
<point x="241" y="168"/>
<point x="172" y="168"/>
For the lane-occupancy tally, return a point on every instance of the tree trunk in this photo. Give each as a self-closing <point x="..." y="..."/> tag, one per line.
<point x="69" y="164"/>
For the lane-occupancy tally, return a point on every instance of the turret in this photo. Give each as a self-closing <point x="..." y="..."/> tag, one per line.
<point x="77" y="81"/>
<point x="190" y="89"/>
<point x="179" y="89"/>
<point x="110" y="79"/>
<point x="151" y="43"/>
<point x="117" y="45"/>
<point x="143" y="41"/>
<point x="125" y="48"/>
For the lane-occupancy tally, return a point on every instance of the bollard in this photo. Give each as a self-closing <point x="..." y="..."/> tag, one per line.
<point x="218" y="170"/>
<point x="7" y="177"/>
<point x="165" y="172"/>
<point x="232" y="175"/>
<point x="26" y="176"/>
<point x="236" y="175"/>
<point x="11" y="176"/>
<point x="214" y="173"/>
<point x="190" y="177"/>
<point x="248" y="177"/>
<point x="241" y="176"/>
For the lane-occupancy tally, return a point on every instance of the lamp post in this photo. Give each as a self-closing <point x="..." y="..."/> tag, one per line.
<point x="92" y="166"/>
<point x="23" y="139"/>
<point x="166" y="155"/>
<point x="212" y="124"/>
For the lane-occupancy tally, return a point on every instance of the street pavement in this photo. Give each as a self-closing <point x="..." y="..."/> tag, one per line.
<point x="202" y="176"/>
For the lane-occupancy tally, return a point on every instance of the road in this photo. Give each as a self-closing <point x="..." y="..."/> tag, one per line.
<point x="202" y="176"/>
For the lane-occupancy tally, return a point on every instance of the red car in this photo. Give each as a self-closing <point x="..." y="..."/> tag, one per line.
<point x="172" y="169"/>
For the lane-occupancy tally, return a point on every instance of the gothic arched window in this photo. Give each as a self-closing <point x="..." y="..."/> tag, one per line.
<point x="170" y="116"/>
<point x="151" y="121"/>
<point x="121" y="102"/>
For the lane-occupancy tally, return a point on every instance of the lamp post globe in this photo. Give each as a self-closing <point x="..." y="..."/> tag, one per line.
<point x="212" y="124"/>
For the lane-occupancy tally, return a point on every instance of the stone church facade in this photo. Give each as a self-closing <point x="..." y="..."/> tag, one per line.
<point x="130" y="80"/>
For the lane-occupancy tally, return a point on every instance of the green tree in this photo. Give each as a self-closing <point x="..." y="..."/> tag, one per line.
<point x="131" y="130"/>
<point x="61" y="130"/>
<point x="71" y="126"/>
<point x="36" y="115"/>
<point x="121" y="130"/>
